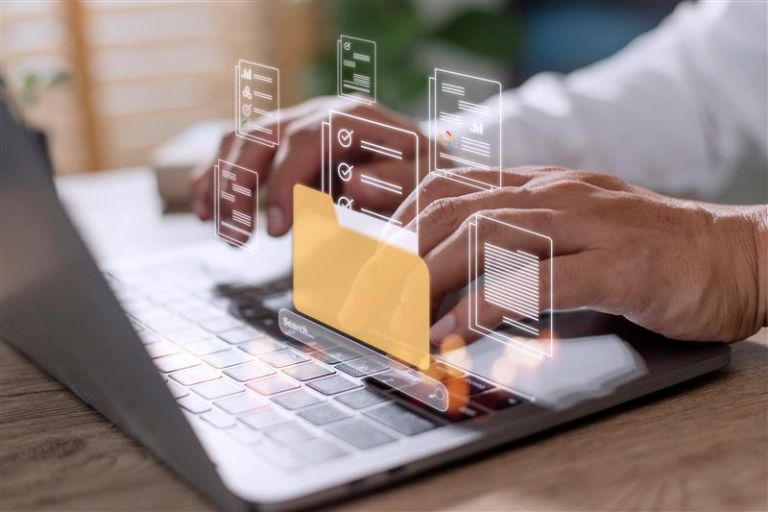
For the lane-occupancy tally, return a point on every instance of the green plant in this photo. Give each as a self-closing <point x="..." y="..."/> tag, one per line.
<point x="401" y="31"/>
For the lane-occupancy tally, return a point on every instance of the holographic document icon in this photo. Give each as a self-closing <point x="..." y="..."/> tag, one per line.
<point x="258" y="102"/>
<point x="356" y="69"/>
<point x="236" y="201"/>
<point x="510" y="270"/>
<point x="465" y="126"/>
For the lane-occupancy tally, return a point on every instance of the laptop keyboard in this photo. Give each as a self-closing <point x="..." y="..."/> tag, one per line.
<point x="226" y="363"/>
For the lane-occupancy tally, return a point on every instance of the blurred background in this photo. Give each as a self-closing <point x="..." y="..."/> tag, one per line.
<point x="112" y="84"/>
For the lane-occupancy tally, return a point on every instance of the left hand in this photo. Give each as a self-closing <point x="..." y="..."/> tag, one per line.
<point x="685" y="269"/>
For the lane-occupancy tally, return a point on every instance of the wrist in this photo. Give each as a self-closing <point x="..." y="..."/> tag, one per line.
<point x="760" y="221"/>
<point x="742" y="232"/>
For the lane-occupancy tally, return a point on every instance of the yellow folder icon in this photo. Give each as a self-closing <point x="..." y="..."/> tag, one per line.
<point x="365" y="287"/>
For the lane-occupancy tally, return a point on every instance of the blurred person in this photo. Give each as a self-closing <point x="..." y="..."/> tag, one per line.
<point x="678" y="111"/>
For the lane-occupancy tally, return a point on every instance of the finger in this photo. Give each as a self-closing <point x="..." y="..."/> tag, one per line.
<point x="297" y="161"/>
<point x="449" y="260"/>
<point x="383" y="184"/>
<point x="202" y="180"/>
<point x="437" y="186"/>
<point x="446" y="215"/>
<point x="566" y="282"/>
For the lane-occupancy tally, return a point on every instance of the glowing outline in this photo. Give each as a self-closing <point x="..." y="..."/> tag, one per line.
<point x="367" y="100"/>
<point x="472" y="305"/>
<point x="432" y="112"/>
<point x="250" y="244"/>
<point x="248" y="135"/>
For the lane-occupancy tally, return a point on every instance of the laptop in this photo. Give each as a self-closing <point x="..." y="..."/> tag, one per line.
<point x="198" y="354"/>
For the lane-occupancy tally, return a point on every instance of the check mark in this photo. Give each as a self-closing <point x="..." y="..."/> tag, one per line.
<point x="344" y="137"/>
<point x="345" y="171"/>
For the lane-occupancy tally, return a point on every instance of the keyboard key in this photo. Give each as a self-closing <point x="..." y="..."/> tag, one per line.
<point x="280" y="455"/>
<point x="474" y="384"/>
<point x="248" y="372"/>
<point x="333" y="385"/>
<point x="219" y="325"/>
<point x="360" y="434"/>
<point x="308" y="371"/>
<point x="175" y="362"/>
<point x="186" y="304"/>
<point x="227" y="358"/>
<point x="245" y="434"/>
<point x="319" y="450"/>
<point x="260" y="346"/>
<point x="496" y="400"/>
<point x="240" y="335"/>
<point x="241" y="403"/>
<point x="162" y="349"/>
<point x="323" y="414"/>
<point x="188" y="335"/>
<point x="205" y="347"/>
<point x="296" y="399"/>
<point x="272" y="385"/>
<point x="217" y="388"/>
<point x="168" y="324"/>
<point x="176" y="390"/>
<point x="401" y="419"/>
<point x="203" y="314"/>
<point x="466" y="412"/>
<point x="282" y="358"/>
<point x="263" y="418"/>
<point x="195" y="375"/>
<point x="149" y="337"/>
<point x="362" y="398"/>
<point x="393" y="379"/>
<point x="219" y="419"/>
<point x="288" y="433"/>
<point x="362" y="367"/>
<point x="166" y="294"/>
<point x="335" y="355"/>
<point x="194" y="404"/>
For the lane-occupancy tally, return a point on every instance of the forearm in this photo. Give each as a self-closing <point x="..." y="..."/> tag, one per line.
<point x="659" y="113"/>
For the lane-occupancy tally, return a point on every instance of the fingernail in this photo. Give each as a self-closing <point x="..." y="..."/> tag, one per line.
<point x="201" y="209"/>
<point x="275" y="220"/>
<point x="442" y="328"/>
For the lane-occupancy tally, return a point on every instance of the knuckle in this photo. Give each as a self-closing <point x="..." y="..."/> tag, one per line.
<point x="443" y="210"/>
<point x="610" y="181"/>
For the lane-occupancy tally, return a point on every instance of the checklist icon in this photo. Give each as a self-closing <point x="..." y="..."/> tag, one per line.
<point x="342" y="141"/>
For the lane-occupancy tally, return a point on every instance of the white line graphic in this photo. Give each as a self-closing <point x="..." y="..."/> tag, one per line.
<point x="384" y="185"/>
<point x="380" y="216"/>
<point x="382" y="150"/>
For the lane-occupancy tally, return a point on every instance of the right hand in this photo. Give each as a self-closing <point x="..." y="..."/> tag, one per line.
<point x="298" y="160"/>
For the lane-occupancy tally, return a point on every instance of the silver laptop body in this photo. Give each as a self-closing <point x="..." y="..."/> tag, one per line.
<point x="185" y="352"/>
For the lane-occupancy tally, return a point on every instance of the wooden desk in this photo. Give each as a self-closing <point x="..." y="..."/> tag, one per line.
<point x="700" y="446"/>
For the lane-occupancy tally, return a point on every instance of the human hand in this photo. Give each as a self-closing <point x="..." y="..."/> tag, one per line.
<point x="685" y="269"/>
<point x="298" y="160"/>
